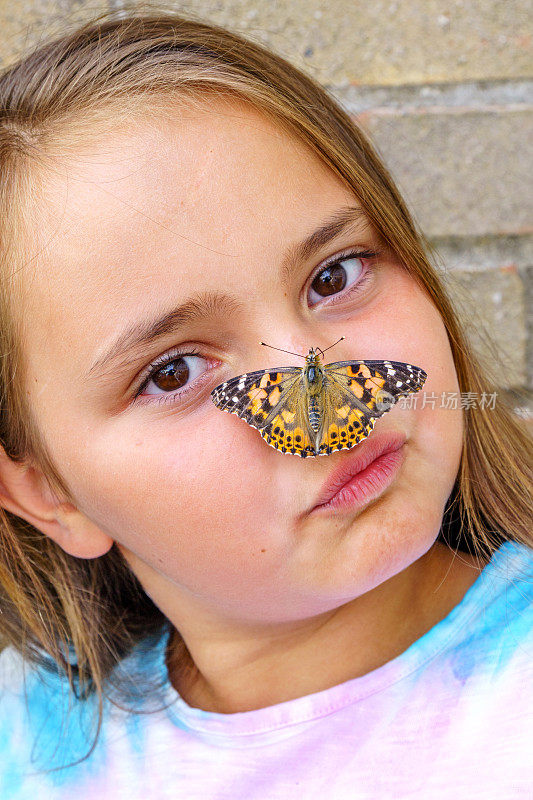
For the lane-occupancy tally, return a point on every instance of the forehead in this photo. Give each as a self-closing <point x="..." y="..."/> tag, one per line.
<point x="196" y="183"/>
<point x="172" y="204"/>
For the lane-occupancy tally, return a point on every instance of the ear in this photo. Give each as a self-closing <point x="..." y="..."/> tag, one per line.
<point x="25" y="492"/>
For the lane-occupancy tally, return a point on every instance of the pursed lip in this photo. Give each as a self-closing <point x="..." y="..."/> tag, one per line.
<point x="355" y="462"/>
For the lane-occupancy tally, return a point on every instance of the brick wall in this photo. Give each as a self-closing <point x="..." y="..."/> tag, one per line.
<point x="443" y="88"/>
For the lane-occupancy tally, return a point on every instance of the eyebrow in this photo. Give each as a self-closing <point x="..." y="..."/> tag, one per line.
<point x="206" y="305"/>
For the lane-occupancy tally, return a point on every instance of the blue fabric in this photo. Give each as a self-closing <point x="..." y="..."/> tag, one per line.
<point x="450" y="717"/>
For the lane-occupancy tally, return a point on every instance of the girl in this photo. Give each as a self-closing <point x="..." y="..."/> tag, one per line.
<point x="187" y="612"/>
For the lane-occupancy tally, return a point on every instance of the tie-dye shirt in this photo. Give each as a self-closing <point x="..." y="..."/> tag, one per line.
<point x="450" y="717"/>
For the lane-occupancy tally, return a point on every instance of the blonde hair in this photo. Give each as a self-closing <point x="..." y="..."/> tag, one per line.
<point x="95" y="610"/>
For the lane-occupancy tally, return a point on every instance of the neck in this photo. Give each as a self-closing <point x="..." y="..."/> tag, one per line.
<point x="244" y="674"/>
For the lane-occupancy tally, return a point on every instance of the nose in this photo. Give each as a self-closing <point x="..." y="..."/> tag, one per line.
<point x="279" y="344"/>
<point x="286" y="337"/>
<point x="305" y="350"/>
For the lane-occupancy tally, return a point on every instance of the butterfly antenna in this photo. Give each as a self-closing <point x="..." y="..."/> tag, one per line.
<point x="331" y="345"/>
<point x="283" y="351"/>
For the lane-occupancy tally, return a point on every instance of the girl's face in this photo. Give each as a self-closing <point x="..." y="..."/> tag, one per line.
<point x="183" y="235"/>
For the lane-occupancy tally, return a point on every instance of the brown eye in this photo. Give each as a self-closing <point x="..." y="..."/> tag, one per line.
<point x="330" y="280"/>
<point x="340" y="274"/>
<point x="172" y="376"/>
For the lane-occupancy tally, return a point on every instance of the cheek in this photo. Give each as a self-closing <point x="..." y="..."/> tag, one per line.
<point x="402" y="324"/>
<point x="414" y="332"/>
<point x="178" y="492"/>
<point x="438" y="414"/>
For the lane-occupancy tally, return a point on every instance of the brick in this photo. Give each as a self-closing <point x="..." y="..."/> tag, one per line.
<point x="463" y="172"/>
<point x="492" y="308"/>
<point x="521" y="402"/>
<point x="484" y="252"/>
<point x="467" y="94"/>
<point x="387" y="42"/>
<point x="527" y="279"/>
<point x="25" y="23"/>
<point x="383" y="42"/>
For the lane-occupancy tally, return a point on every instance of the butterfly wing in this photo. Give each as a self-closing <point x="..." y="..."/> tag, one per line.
<point x="254" y="395"/>
<point x="359" y="392"/>
<point x="274" y="402"/>
<point x="372" y="381"/>
<point x="288" y="428"/>
<point x="344" y="423"/>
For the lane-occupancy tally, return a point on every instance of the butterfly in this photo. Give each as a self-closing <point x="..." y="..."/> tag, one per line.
<point x="317" y="409"/>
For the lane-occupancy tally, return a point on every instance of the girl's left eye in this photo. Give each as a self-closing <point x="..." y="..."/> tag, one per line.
<point x="172" y="374"/>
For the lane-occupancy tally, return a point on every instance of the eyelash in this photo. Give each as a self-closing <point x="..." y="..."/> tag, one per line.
<point x="361" y="283"/>
<point x="176" y="353"/>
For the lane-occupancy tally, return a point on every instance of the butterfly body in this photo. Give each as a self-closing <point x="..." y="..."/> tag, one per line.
<point x="318" y="408"/>
<point x="313" y="379"/>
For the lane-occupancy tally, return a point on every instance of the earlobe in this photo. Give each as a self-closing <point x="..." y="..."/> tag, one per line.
<point x="24" y="492"/>
<point x="79" y="536"/>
